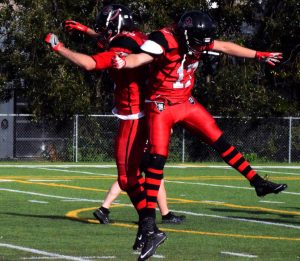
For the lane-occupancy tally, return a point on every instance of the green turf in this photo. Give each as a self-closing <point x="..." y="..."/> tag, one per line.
<point x="217" y="202"/>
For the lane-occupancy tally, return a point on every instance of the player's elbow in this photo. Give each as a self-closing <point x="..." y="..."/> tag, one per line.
<point x="88" y="66"/>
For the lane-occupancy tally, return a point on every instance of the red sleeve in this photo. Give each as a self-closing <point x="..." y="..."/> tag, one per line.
<point x="211" y="45"/>
<point x="103" y="60"/>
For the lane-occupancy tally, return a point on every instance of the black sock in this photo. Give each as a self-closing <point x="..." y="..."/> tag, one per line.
<point x="169" y="215"/>
<point x="105" y="210"/>
<point x="256" y="180"/>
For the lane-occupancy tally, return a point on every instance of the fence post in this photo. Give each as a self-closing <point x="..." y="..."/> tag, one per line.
<point x="290" y="138"/>
<point x="183" y="145"/>
<point x="75" y="139"/>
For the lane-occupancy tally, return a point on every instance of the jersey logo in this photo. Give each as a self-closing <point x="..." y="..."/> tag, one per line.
<point x="113" y="14"/>
<point x="188" y="22"/>
<point x="160" y="106"/>
<point x="191" y="100"/>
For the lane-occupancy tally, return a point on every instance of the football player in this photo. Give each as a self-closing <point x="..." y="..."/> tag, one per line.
<point x="174" y="53"/>
<point x="115" y="28"/>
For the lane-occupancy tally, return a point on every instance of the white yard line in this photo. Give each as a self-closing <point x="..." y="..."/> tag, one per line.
<point x="77" y="171"/>
<point x="52" y="258"/>
<point x="49" y="180"/>
<point x="176" y="211"/>
<point x="39" y="252"/>
<point x="238" y="254"/>
<point x="49" y="196"/>
<point x="272" y="202"/>
<point x="181" y="182"/>
<point x="237" y="219"/>
<point x="222" y="186"/>
<point x="55" y="166"/>
<point x="170" y="181"/>
<point x="154" y="256"/>
<point x="38" y="201"/>
<point x="280" y="172"/>
<point x="114" y="166"/>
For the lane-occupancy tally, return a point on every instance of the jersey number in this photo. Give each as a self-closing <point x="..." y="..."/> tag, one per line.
<point x="184" y="81"/>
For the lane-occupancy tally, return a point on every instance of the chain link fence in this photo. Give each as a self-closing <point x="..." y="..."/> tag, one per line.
<point x="91" y="139"/>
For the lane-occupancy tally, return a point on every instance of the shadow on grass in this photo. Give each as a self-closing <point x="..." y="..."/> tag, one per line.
<point x="55" y="217"/>
<point x="260" y="213"/>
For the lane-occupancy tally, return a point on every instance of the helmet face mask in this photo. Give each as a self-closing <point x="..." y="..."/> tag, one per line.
<point x="112" y="20"/>
<point x="197" y="30"/>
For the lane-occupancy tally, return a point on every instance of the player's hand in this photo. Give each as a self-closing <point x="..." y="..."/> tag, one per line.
<point x="71" y="25"/>
<point x="270" y="58"/>
<point x="53" y="41"/>
<point x="118" y="62"/>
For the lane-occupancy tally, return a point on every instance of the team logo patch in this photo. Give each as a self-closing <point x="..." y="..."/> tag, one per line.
<point x="114" y="13"/>
<point x="160" y="106"/>
<point x="191" y="100"/>
<point x="188" y="22"/>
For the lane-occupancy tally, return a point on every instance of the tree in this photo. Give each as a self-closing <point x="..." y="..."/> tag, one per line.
<point x="246" y="88"/>
<point x="56" y="88"/>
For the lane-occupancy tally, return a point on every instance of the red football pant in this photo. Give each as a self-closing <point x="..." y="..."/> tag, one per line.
<point x="192" y="116"/>
<point x="195" y="118"/>
<point x="129" y="148"/>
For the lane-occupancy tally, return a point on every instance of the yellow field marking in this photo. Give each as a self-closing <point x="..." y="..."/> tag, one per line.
<point x="170" y="178"/>
<point x="58" y="177"/>
<point x="237" y="206"/>
<point x="74" y="215"/>
<point x="63" y="186"/>
<point x="180" y="200"/>
<point x="183" y="177"/>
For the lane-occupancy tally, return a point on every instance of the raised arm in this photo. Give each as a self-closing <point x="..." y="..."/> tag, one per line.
<point x="131" y="61"/>
<point x="71" y="25"/>
<point x="82" y="60"/>
<point x="233" y="49"/>
<point x="240" y="51"/>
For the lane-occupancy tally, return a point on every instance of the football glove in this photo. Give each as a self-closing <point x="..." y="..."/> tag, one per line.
<point x="270" y="58"/>
<point x="118" y="62"/>
<point x="73" y="25"/>
<point x="53" y="41"/>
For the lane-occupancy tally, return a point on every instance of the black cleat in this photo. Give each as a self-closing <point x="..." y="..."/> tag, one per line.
<point x="264" y="187"/>
<point x="139" y="240"/>
<point x="171" y="218"/>
<point x="152" y="241"/>
<point x="101" y="216"/>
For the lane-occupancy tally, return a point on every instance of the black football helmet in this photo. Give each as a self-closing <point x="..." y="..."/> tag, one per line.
<point x="197" y="29"/>
<point x="113" y="19"/>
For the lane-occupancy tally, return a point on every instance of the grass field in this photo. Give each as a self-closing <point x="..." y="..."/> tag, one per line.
<point x="46" y="213"/>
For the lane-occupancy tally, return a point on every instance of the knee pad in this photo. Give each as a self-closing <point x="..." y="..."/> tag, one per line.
<point x="156" y="161"/>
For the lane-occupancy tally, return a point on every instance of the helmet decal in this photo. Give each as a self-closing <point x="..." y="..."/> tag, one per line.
<point x="113" y="19"/>
<point x="188" y="22"/>
<point x="197" y="29"/>
<point x="114" y="14"/>
<point x="107" y="9"/>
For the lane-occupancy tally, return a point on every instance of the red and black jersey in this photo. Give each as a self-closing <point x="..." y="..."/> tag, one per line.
<point x="129" y="84"/>
<point x="172" y="72"/>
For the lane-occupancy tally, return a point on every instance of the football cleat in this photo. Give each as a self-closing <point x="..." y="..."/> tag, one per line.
<point x="152" y="241"/>
<point x="101" y="216"/>
<point x="264" y="187"/>
<point x="171" y="218"/>
<point x="139" y="240"/>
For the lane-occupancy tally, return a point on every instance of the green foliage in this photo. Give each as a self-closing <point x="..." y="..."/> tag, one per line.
<point x="57" y="89"/>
